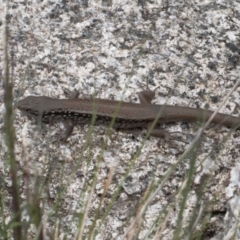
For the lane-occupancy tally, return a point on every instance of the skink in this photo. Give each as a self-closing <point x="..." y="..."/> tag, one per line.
<point x="126" y="115"/>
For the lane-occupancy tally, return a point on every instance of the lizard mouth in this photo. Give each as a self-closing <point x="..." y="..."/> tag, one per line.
<point x="29" y="112"/>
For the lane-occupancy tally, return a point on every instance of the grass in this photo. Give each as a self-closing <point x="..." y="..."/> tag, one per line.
<point x="15" y="224"/>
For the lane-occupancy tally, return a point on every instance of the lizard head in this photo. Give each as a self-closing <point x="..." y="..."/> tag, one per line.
<point x="31" y="106"/>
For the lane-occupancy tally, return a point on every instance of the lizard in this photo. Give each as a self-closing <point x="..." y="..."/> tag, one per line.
<point x="127" y="115"/>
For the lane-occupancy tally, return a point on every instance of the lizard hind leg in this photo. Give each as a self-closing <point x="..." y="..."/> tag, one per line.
<point x="146" y="95"/>
<point x="165" y="135"/>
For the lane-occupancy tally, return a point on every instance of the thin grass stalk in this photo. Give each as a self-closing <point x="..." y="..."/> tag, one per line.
<point x="10" y="136"/>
